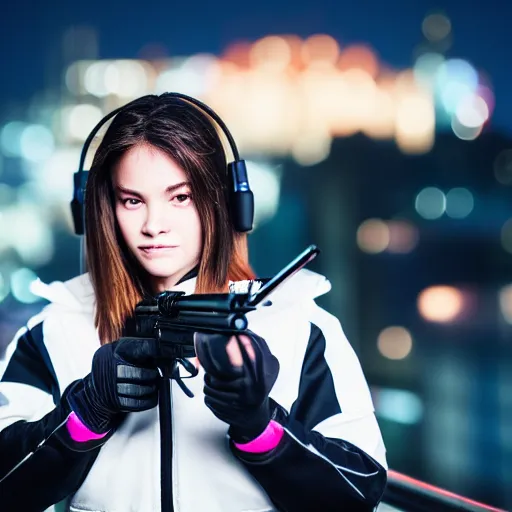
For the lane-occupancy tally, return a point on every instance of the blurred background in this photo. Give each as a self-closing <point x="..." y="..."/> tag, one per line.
<point x="379" y="130"/>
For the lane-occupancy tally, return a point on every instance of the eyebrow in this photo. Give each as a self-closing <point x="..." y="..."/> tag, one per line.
<point x="168" y="190"/>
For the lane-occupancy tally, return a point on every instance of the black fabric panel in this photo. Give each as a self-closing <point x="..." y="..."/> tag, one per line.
<point x="30" y="364"/>
<point x="296" y="479"/>
<point x="317" y="399"/>
<point x="55" y="470"/>
<point x="190" y="274"/>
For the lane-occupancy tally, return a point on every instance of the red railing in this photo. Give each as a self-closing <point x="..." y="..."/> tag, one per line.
<point x="413" y="495"/>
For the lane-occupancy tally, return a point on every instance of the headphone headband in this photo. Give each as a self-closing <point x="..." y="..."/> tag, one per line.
<point x="199" y="104"/>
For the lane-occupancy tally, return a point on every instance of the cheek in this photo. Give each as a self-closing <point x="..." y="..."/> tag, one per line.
<point x="195" y="230"/>
<point x="124" y="224"/>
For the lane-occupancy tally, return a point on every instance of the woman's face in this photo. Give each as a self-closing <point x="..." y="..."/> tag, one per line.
<point x="157" y="215"/>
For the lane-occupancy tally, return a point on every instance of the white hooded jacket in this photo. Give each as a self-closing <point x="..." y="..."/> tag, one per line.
<point x="206" y="475"/>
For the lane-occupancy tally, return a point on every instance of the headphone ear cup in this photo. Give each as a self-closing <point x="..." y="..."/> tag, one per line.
<point x="77" y="211"/>
<point x="242" y="210"/>
<point x="77" y="204"/>
<point x="241" y="198"/>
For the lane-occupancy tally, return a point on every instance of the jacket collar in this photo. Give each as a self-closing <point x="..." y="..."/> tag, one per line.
<point x="77" y="294"/>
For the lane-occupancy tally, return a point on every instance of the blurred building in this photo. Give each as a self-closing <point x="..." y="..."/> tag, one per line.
<point x="395" y="174"/>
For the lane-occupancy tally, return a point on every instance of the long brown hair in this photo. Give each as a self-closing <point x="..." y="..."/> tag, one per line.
<point x="187" y="135"/>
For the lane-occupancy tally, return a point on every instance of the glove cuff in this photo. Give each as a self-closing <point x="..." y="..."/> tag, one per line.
<point x="88" y="409"/>
<point x="266" y="441"/>
<point x="61" y="434"/>
<point x="80" y="432"/>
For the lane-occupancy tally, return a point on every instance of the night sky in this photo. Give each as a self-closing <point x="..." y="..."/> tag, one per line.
<point x="31" y="32"/>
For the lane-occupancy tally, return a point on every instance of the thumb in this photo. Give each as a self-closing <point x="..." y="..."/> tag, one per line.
<point x="212" y="354"/>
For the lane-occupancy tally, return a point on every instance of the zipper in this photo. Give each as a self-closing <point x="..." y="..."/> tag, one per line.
<point x="165" y="411"/>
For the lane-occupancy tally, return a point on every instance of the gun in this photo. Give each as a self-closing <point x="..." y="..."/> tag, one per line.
<point x="172" y="318"/>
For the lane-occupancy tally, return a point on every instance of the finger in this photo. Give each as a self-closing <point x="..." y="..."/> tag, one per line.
<point x="130" y="404"/>
<point x="231" y="385"/>
<point x="201" y="349"/>
<point x="212" y="354"/>
<point x="220" y="408"/>
<point x="201" y="346"/>
<point x="247" y="345"/>
<point x="234" y="353"/>
<point x="225" y="397"/>
<point x="139" y="391"/>
<point x="126" y="373"/>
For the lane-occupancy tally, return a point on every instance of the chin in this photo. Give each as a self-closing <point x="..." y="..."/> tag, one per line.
<point x="162" y="269"/>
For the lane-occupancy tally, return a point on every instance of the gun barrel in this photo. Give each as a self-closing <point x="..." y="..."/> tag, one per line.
<point x="292" y="268"/>
<point x="199" y="321"/>
<point x="171" y="305"/>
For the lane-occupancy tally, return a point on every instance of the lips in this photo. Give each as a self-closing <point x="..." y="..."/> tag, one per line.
<point x="156" y="249"/>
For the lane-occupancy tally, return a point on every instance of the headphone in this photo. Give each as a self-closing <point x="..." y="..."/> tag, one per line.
<point x="241" y="198"/>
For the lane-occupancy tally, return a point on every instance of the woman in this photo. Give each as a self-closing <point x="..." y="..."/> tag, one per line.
<point x="281" y="419"/>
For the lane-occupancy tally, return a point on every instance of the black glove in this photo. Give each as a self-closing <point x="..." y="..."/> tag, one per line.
<point x="123" y="379"/>
<point x="238" y="395"/>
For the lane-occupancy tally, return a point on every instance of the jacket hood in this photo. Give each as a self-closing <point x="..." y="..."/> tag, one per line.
<point x="76" y="294"/>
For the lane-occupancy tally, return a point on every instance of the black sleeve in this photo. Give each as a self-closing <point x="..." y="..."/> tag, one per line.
<point x="30" y="363"/>
<point x="308" y="471"/>
<point x="40" y="464"/>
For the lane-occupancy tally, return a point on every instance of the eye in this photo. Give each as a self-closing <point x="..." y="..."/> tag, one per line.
<point x="182" y="198"/>
<point x="130" y="202"/>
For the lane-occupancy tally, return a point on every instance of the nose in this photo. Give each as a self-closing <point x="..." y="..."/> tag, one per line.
<point x="157" y="220"/>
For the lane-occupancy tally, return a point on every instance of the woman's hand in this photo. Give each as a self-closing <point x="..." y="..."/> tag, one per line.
<point x="240" y="372"/>
<point x="123" y="379"/>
